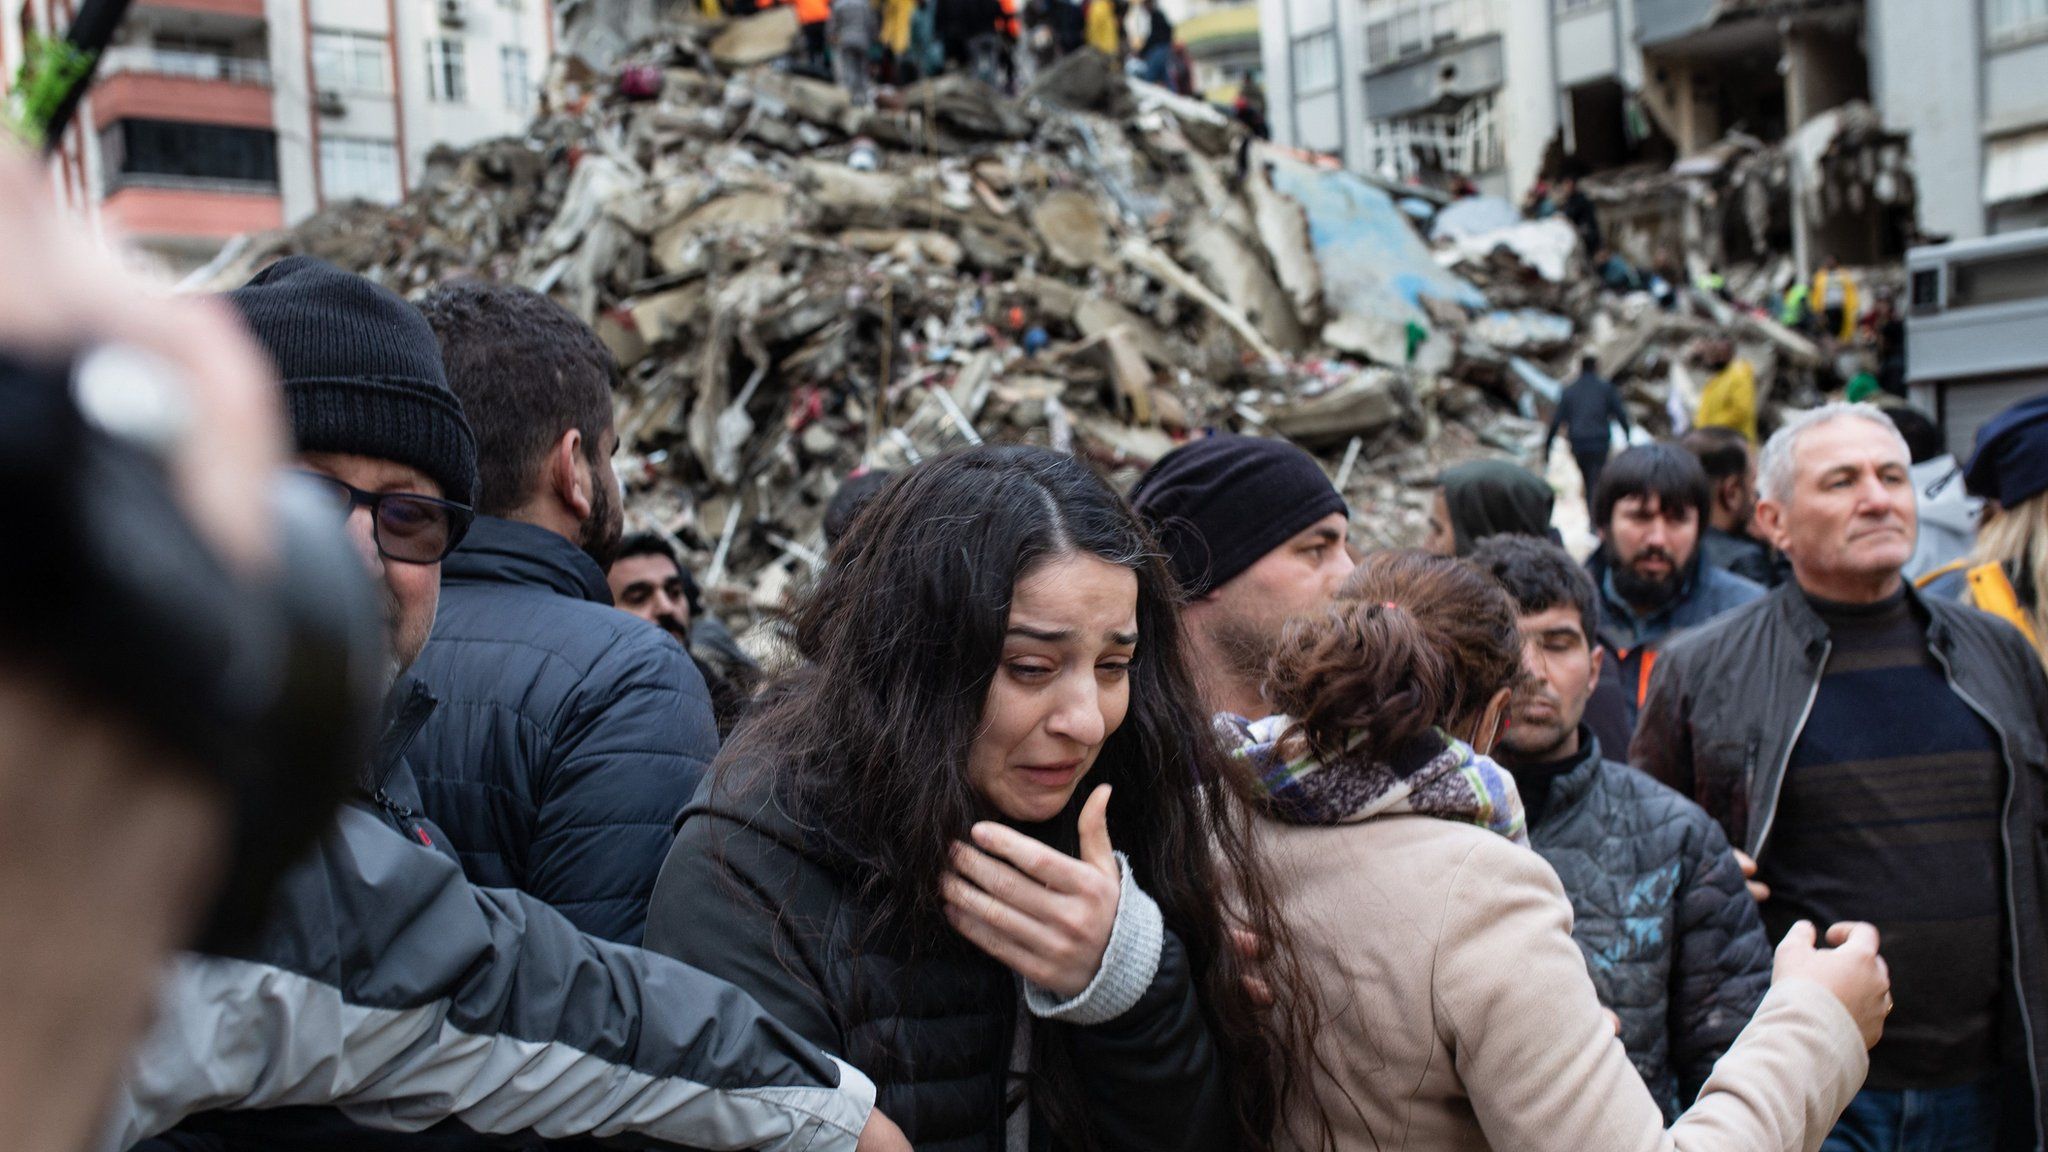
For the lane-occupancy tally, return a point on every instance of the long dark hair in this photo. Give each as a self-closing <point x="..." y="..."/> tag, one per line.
<point x="868" y="741"/>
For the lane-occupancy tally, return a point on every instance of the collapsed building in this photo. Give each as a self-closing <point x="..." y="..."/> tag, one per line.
<point x="796" y="288"/>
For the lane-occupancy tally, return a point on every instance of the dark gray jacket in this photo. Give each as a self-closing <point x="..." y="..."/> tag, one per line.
<point x="569" y="736"/>
<point x="1584" y="410"/>
<point x="389" y="993"/>
<point x="1728" y="701"/>
<point x="1672" y="938"/>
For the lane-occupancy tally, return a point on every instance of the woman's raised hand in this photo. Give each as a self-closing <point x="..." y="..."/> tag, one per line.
<point x="1044" y="914"/>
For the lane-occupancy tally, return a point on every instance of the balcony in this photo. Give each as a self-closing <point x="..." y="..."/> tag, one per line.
<point x="146" y="210"/>
<point x="161" y="84"/>
<point x="234" y="9"/>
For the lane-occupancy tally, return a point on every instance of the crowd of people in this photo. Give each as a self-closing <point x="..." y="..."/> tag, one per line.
<point x="1070" y="820"/>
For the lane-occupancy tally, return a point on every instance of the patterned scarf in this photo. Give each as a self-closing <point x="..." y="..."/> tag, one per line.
<point x="1455" y="783"/>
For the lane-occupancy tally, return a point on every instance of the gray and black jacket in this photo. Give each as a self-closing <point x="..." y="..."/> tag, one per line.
<point x="391" y="994"/>
<point x="1727" y="703"/>
<point x="1671" y="936"/>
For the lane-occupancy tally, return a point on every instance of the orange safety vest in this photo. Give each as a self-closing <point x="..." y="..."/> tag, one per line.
<point x="1990" y="591"/>
<point x="1008" y="24"/>
<point x="812" y="11"/>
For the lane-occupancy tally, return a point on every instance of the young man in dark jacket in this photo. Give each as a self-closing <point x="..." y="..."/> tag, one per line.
<point x="1728" y="460"/>
<point x="388" y="995"/>
<point x="1882" y="757"/>
<point x="569" y="735"/>
<point x="1589" y="403"/>
<point x="1671" y="937"/>
<point x="1648" y="571"/>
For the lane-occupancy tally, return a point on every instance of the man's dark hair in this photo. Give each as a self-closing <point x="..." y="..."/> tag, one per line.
<point x="526" y="371"/>
<point x="1722" y="452"/>
<point x="1663" y="470"/>
<point x="1923" y="435"/>
<point x="653" y="544"/>
<point x="1590" y="365"/>
<point x="855" y="493"/>
<point x="1539" y="576"/>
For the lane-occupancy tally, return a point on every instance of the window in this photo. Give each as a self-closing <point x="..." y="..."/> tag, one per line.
<point x="1397" y="29"/>
<point x="1567" y="7"/>
<point x="1463" y="143"/>
<point x="446" y="81"/>
<point x="163" y="152"/>
<point x="2008" y="21"/>
<point x="352" y="168"/>
<point x="1315" y="62"/>
<point x="518" y="75"/>
<point x="350" y="62"/>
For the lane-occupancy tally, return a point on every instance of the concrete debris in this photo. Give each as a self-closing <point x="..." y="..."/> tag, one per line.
<point x="796" y="288"/>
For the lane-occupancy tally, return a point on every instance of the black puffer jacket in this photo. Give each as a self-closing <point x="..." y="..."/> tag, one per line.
<point x="1672" y="939"/>
<point x="569" y="736"/>
<point x="747" y="895"/>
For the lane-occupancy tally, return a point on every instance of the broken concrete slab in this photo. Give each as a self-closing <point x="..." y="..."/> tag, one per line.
<point x="1231" y="267"/>
<point x="1366" y="403"/>
<point x="1283" y="231"/>
<point x="1073" y="231"/>
<point x="767" y="35"/>
<point x="1096" y="315"/>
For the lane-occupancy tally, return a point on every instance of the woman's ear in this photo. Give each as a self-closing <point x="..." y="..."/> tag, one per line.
<point x="1492" y="722"/>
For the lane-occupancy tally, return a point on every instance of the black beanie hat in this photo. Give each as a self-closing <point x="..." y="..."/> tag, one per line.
<point x="361" y="369"/>
<point x="1220" y="504"/>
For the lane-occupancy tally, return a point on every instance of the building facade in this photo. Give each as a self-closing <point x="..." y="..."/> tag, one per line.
<point x="215" y="117"/>
<point x="1500" y="92"/>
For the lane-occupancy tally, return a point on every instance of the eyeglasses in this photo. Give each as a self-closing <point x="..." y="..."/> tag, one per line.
<point x="409" y="528"/>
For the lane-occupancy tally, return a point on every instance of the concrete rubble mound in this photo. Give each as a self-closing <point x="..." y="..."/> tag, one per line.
<point x="796" y="287"/>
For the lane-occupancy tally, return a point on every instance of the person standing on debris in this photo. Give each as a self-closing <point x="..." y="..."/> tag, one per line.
<point x="2006" y="574"/>
<point x="1834" y="296"/>
<point x="1649" y="510"/>
<point x="853" y="24"/>
<point x="1483" y="498"/>
<point x="907" y="851"/>
<point x="1250" y="108"/>
<point x="1577" y="207"/>
<point x="648" y="580"/>
<point x="895" y="40"/>
<point x="1254" y="533"/>
<point x="1729" y="398"/>
<point x="386" y="993"/>
<point x="1730" y="464"/>
<point x="927" y="50"/>
<point x="1672" y="939"/>
<point x="1584" y="410"/>
<point x="1882" y="755"/>
<point x="1104" y="33"/>
<point x="1155" y="46"/>
<point x="570" y="734"/>
<point x="1460" y="1012"/>
<point x="813" y="18"/>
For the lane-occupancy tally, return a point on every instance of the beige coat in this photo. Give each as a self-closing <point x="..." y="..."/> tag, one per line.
<point x="1459" y="1016"/>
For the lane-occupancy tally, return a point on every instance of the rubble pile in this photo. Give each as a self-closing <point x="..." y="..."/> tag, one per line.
<point x="796" y="288"/>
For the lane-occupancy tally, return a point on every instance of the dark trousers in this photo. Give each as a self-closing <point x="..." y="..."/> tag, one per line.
<point x="1592" y="460"/>
<point x="1962" y="1119"/>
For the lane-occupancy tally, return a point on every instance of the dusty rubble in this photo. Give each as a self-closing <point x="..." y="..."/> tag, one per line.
<point x="796" y="288"/>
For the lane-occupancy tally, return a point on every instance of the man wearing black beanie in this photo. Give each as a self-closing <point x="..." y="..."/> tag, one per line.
<point x="1254" y="532"/>
<point x="388" y="995"/>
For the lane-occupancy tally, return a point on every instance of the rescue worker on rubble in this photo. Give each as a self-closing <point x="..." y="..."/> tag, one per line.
<point x="1584" y="410"/>
<point x="813" y="18"/>
<point x="1729" y="399"/>
<point x="1834" y="299"/>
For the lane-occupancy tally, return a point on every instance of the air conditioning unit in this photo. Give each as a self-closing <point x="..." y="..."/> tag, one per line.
<point x="330" y="103"/>
<point x="451" y="12"/>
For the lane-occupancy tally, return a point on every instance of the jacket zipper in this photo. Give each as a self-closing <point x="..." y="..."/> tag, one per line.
<point x="2012" y="786"/>
<point x="1827" y="649"/>
<point x="405" y="817"/>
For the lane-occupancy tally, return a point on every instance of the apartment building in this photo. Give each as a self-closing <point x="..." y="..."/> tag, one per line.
<point x="216" y="117"/>
<point x="1500" y="91"/>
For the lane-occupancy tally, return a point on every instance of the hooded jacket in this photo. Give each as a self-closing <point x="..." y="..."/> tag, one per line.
<point x="751" y="895"/>
<point x="1728" y="702"/>
<point x="389" y="994"/>
<point x="1494" y="497"/>
<point x="1670" y="933"/>
<point x="569" y="736"/>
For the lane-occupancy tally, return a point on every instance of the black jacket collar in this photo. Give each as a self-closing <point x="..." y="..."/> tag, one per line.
<point x="508" y="552"/>
<point x="406" y="711"/>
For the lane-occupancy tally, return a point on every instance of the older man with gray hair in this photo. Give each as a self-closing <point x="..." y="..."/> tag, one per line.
<point x="1882" y="758"/>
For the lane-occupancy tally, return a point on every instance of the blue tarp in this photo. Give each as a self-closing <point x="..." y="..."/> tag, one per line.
<point x="1373" y="263"/>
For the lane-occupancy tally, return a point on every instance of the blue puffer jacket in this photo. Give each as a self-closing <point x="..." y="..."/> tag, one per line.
<point x="570" y="734"/>
<point x="1672" y="939"/>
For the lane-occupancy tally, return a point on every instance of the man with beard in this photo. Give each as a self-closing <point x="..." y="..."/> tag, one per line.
<point x="1649" y="508"/>
<point x="1881" y="755"/>
<point x="1254" y="532"/>
<point x="647" y="579"/>
<point x="1730" y="464"/>
<point x="1671" y="937"/>
<point x="569" y="734"/>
